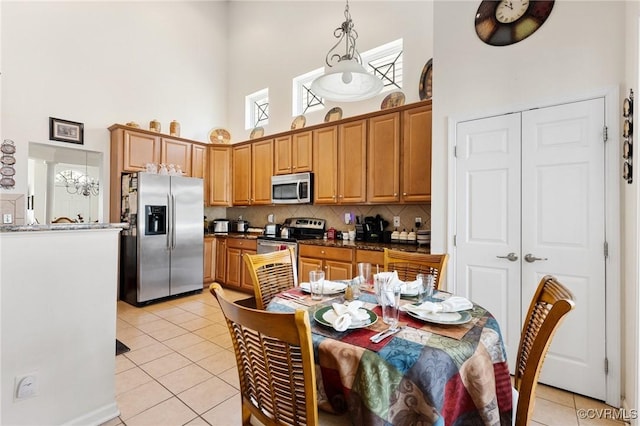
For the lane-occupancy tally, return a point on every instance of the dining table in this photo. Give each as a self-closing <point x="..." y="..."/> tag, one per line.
<point x="428" y="373"/>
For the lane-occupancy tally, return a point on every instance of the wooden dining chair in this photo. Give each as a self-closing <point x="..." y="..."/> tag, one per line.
<point x="274" y="356"/>
<point x="551" y="302"/>
<point x="409" y="264"/>
<point x="271" y="274"/>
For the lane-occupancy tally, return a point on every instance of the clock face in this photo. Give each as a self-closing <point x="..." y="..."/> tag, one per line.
<point x="505" y="22"/>
<point x="509" y="11"/>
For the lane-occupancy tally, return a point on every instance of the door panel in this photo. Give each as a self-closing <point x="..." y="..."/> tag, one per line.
<point x="563" y="222"/>
<point x="488" y="225"/>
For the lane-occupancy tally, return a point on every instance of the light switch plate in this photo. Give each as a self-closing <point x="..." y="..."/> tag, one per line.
<point x="7" y="218"/>
<point x="347" y="218"/>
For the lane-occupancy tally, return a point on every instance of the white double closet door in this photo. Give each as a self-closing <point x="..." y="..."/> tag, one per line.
<point x="529" y="201"/>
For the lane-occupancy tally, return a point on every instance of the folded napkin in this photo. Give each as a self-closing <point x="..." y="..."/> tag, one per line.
<point x="411" y="288"/>
<point x="328" y="286"/>
<point x="349" y="314"/>
<point x="452" y="304"/>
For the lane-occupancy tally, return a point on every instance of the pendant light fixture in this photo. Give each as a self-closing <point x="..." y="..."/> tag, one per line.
<point x="345" y="79"/>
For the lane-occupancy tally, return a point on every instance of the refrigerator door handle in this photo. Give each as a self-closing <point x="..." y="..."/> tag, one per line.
<point x="173" y="222"/>
<point x="168" y="219"/>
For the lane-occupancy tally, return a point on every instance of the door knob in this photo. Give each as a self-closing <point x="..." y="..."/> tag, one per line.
<point x="512" y="257"/>
<point x="531" y="258"/>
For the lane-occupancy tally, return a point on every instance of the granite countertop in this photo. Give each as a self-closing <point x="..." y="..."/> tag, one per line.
<point x="241" y="235"/>
<point x="362" y="245"/>
<point x="62" y="227"/>
<point x="366" y="245"/>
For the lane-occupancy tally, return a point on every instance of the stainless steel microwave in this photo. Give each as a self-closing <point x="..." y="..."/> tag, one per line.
<point x="292" y="189"/>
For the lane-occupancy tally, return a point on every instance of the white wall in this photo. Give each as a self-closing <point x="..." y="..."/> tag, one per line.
<point x="102" y="63"/>
<point x="271" y="42"/>
<point x="580" y="49"/>
<point x="630" y="218"/>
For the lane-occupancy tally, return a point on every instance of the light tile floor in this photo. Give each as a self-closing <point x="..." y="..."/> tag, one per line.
<point x="181" y="370"/>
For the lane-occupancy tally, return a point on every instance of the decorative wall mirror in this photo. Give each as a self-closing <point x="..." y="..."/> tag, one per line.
<point x="64" y="185"/>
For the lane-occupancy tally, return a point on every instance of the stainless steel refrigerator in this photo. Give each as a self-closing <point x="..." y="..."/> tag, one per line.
<point x="161" y="252"/>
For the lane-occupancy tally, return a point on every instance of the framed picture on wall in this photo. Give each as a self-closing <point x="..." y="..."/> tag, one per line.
<point x="66" y="131"/>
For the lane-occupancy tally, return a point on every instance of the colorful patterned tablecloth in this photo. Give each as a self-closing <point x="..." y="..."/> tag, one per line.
<point x="426" y="374"/>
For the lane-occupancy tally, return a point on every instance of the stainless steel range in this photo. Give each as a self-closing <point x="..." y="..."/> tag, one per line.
<point x="293" y="229"/>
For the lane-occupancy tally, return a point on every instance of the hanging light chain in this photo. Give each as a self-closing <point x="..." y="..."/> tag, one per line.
<point x="347" y="33"/>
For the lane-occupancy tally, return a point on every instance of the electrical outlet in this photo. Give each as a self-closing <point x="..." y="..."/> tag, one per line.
<point x="347" y="218"/>
<point x="7" y="218"/>
<point x="270" y="218"/>
<point x="418" y="222"/>
<point x="396" y="221"/>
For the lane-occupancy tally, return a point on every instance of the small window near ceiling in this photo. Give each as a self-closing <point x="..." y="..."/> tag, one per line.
<point x="304" y="100"/>
<point x="385" y="62"/>
<point x="257" y="109"/>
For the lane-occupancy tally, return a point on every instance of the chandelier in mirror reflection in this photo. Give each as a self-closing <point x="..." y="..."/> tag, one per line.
<point x="78" y="183"/>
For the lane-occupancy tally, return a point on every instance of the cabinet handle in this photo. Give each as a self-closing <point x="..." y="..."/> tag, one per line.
<point x="395" y="194"/>
<point x="404" y="194"/>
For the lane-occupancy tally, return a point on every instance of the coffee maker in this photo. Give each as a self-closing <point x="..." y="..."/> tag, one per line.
<point x="373" y="228"/>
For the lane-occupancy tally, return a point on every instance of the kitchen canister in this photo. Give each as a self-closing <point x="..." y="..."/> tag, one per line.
<point x="154" y="125"/>
<point x="174" y="128"/>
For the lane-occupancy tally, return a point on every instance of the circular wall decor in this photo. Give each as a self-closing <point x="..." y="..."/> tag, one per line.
<point x="505" y="22"/>
<point x="425" y="88"/>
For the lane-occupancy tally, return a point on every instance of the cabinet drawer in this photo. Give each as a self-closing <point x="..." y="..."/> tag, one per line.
<point x="242" y="243"/>
<point x="373" y="257"/>
<point x="328" y="253"/>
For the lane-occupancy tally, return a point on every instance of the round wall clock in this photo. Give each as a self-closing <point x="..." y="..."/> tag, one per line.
<point x="505" y="22"/>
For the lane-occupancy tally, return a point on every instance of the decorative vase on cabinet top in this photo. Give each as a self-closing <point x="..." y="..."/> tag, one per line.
<point x="174" y="128"/>
<point x="154" y="125"/>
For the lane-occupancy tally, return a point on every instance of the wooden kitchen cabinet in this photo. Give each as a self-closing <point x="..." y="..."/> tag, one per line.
<point x="219" y="176"/>
<point x="133" y="148"/>
<point x="209" y="259"/>
<point x="336" y="262"/>
<point x="293" y="153"/>
<point x="139" y="149"/>
<point x="374" y="257"/>
<point x="220" y="272"/>
<point x="176" y="152"/>
<point x="416" y="154"/>
<point x="339" y="163"/>
<point x="241" y="170"/>
<point x="261" y="172"/>
<point x="238" y="274"/>
<point x="252" y="170"/>
<point x="383" y="159"/>
<point x="199" y="162"/>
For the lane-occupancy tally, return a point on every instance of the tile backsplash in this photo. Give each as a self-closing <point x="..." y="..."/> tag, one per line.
<point x="334" y="215"/>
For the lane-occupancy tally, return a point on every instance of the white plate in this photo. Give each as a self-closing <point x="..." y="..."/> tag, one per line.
<point x="445" y="318"/>
<point x="327" y="315"/>
<point x="334" y="289"/>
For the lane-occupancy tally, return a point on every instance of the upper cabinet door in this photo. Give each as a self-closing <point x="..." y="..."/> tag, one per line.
<point x="219" y="175"/>
<point x="384" y="159"/>
<point x="282" y="155"/>
<point x="241" y="170"/>
<point x="325" y="165"/>
<point x="140" y="149"/>
<point x="198" y="161"/>
<point x="261" y="171"/>
<point x="302" y="152"/>
<point x="416" y="155"/>
<point x="177" y="153"/>
<point x="352" y="162"/>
